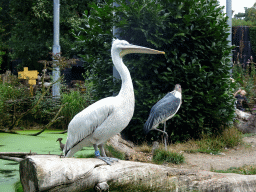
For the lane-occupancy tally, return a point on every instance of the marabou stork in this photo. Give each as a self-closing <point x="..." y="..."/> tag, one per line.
<point x="109" y="116"/>
<point x="163" y="110"/>
<point x="61" y="144"/>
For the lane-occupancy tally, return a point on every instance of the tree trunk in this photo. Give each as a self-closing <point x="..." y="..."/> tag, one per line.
<point x="52" y="173"/>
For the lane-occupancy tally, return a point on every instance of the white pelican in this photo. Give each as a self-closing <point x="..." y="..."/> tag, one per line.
<point x="109" y="116"/>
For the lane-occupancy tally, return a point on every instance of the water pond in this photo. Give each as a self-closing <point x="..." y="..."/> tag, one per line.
<point x="41" y="144"/>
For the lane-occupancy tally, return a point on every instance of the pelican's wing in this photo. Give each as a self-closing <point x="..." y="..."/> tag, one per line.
<point x="85" y="122"/>
<point x="163" y="110"/>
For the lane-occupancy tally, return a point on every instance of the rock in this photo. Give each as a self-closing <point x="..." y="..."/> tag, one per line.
<point x="246" y="123"/>
<point x="121" y="145"/>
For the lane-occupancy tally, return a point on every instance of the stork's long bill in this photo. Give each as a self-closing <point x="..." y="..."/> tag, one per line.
<point x="127" y="49"/>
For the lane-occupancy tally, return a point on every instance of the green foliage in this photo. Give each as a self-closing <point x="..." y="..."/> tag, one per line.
<point x="2" y="52"/>
<point x="18" y="187"/>
<point x="76" y="102"/>
<point x="229" y="138"/>
<point x="32" y="28"/>
<point x="10" y="92"/>
<point x="241" y="22"/>
<point x="232" y="137"/>
<point x="253" y="38"/>
<point x="94" y="42"/>
<point x="138" y="186"/>
<point x="244" y="170"/>
<point x="161" y="155"/>
<point x="112" y="152"/>
<point x="194" y="36"/>
<point x="245" y="78"/>
<point x="250" y="14"/>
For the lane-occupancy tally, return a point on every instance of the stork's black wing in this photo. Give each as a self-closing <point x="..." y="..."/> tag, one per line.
<point x="162" y="111"/>
<point x="168" y="95"/>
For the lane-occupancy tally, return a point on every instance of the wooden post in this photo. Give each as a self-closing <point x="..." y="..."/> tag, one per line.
<point x="30" y="75"/>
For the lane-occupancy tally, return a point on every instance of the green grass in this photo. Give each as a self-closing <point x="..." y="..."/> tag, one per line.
<point x="160" y="156"/>
<point x="244" y="170"/>
<point x="229" y="138"/>
<point x="18" y="187"/>
<point x="112" y="152"/>
<point x="140" y="187"/>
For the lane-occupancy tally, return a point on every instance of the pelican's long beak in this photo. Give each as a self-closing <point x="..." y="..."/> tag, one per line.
<point x="127" y="49"/>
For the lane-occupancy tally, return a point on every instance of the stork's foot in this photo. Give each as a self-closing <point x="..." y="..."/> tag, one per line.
<point x="108" y="160"/>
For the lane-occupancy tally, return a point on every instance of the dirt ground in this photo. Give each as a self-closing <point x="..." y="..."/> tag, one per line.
<point x="242" y="155"/>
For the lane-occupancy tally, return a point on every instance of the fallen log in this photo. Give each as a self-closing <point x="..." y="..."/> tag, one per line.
<point x="16" y="154"/>
<point x="52" y="173"/>
<point x="17" y="159"/>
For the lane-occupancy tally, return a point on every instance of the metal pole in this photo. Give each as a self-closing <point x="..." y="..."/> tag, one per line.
<point x="116" y="34"/>
<point x="229" y="15"/>
<point x="56" y="46"/>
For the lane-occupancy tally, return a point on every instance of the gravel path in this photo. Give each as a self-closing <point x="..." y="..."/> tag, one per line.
<point x="243" y="155"/>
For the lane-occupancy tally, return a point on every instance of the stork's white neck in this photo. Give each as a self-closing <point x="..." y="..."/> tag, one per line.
<point x="177" y="94"/>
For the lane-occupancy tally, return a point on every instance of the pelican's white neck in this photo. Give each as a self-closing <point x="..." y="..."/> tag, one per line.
<point x="127" y="86"/>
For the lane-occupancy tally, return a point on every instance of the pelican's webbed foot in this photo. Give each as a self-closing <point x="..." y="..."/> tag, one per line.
<point x="108" y="160"/>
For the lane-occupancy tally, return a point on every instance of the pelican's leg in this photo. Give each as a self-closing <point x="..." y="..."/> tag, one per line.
<point x="97" y="152"/>
<point x="110" y="159"/>
<point x="106" y="159"/>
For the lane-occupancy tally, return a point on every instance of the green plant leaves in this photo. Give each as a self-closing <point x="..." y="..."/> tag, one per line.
<point x="193" y="35"/>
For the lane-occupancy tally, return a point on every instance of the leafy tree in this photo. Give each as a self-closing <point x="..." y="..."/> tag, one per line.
<point x="2" y="45"/>
<point x="193" y="34"/>
<point x="32" y="31"/>
<point x="250" y="13"/>
<point x="239" y="15"/>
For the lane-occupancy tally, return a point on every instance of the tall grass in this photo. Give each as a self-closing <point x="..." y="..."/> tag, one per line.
<point x="160" y="156"/>
<point x="229" y="138"/>
<point x="244" y="170"/>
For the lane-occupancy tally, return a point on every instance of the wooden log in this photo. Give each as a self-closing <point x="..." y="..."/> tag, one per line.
<point x="17" y="159"/>
<point x="16" y="154"/>
<point x="52" y="173"/>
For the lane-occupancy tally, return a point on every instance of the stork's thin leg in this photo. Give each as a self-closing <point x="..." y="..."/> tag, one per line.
<point x="161" y="131"/>
<point x="165" y="136"/>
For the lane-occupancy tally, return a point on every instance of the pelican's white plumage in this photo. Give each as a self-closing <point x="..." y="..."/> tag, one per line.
<point x="109" y="116"/>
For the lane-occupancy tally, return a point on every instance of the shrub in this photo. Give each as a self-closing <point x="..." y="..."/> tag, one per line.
<point x="161" y="155"/>
<point x="76" y="102"/>
<point x="112" y="152"/>
<point x="193" y="34"/>
<point x="244" y="170"/>
<point x="11" y="96"/>
<point x="232" y="137"/>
